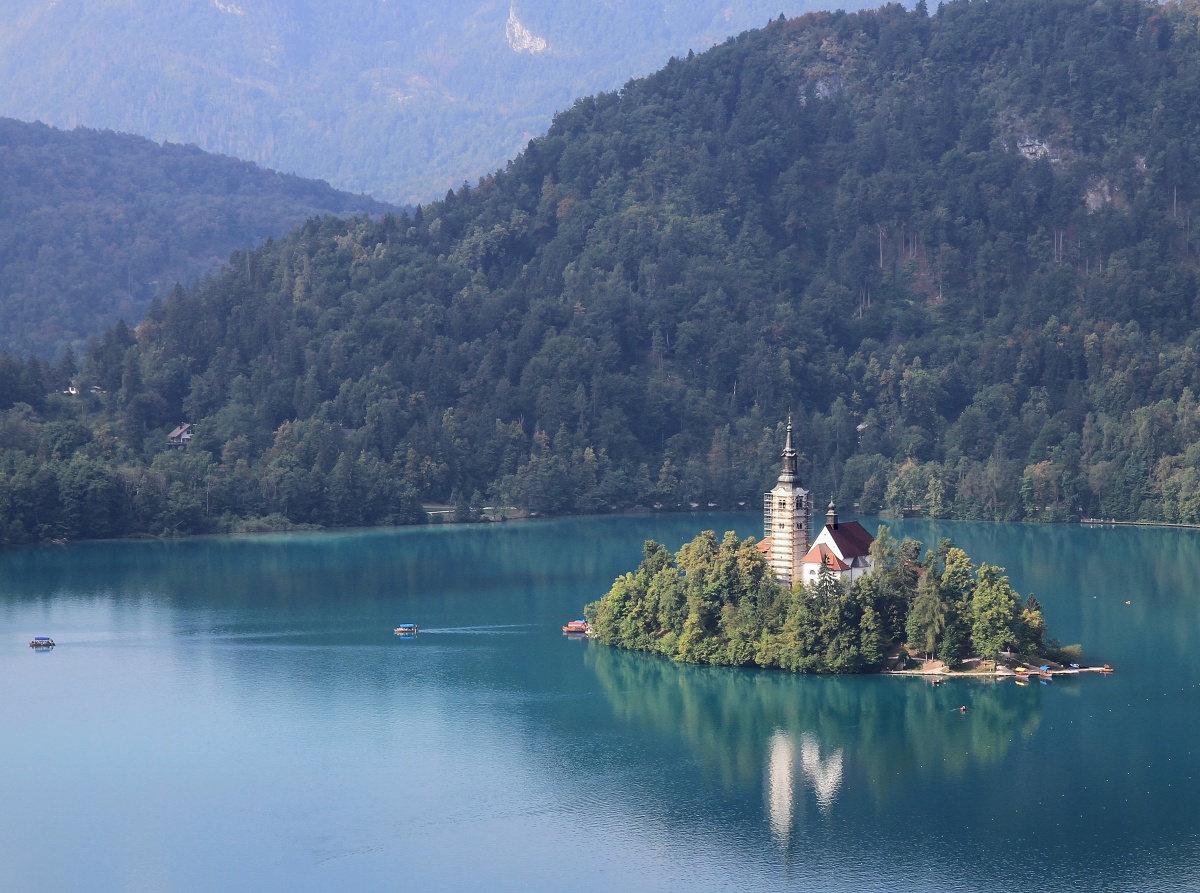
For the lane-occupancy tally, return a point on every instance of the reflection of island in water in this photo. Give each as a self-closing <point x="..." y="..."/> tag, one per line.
<point x="803" y="736"/>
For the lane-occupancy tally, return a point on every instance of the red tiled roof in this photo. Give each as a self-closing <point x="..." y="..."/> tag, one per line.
<point x="852" y="539"/>
<point x="764" y="545"/>
<point x="821" y="552"/>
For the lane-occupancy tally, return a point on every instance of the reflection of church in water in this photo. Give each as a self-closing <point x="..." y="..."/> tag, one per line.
<point x="844" y="546"/>
<point x="822" y="773"/>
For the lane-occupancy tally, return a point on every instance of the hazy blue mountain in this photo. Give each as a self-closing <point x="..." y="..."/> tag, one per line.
<point x="94" y="225"/>
<point x="399" y="99"/>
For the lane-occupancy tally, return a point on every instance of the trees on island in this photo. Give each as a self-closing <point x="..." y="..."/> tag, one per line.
<point x="717" y="602"/>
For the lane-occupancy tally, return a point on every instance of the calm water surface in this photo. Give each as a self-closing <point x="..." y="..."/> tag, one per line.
<point x="235" y="714"/>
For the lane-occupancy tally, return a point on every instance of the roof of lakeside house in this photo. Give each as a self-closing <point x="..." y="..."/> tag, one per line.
<point x="822" y="553"/>
<point x="764" y="545"/>
<point x="851" y="538"/>
<point x="181" y="430"/>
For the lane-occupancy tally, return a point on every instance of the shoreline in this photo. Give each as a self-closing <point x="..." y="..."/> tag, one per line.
<point x="436" y="513"/>
<point x="995" y="674"/>
<point x="1104" y="522"/>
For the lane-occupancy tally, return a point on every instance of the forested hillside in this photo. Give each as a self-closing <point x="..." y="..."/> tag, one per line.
<point x="955" y="246"/>
<point x="94" y="224"/>
<point x="401" y="100"/>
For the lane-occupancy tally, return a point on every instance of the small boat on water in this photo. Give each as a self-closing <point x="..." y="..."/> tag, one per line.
<point x="576" y="628"/>
<point x="42" y="642"/>
<point x="406" y="629"/>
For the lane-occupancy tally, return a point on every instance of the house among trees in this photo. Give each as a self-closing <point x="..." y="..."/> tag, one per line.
<point x="844" y="547"/>
<point x="181" y="436"/>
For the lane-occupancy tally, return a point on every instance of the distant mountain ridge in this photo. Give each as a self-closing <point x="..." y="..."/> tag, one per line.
<point x="94" y="225"/>
<point x="399" y="99"/>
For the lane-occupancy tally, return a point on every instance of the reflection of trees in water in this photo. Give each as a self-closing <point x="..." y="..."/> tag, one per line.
<point x="801" y="734"/>
<point x="320" y="570"/>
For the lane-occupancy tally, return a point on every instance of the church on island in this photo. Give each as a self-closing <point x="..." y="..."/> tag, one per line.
<point x="844" y="546"/>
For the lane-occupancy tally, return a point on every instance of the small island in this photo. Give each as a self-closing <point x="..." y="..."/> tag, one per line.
<point x="719" y="602"/>
<point x="846" y="602"/>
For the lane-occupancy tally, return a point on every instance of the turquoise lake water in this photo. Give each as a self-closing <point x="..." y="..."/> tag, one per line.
<point x="235" y="714"/>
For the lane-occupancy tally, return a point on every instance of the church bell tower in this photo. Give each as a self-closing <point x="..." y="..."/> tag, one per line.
<point x="785" y="518"/>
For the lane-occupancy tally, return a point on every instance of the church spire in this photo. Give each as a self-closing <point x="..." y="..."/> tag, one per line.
<point x="788" y="474"/>
<point x="786" y="511"/>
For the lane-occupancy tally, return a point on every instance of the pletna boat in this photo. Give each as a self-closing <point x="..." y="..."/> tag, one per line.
<point x="406" y="629"/>
<point x="42" y="642"/>
<point x="576" y="628"/>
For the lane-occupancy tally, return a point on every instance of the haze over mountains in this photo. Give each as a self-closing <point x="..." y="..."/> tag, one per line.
<point x="399" y="99"/>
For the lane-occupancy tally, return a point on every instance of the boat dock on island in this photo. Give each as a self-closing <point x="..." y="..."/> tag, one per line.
<point x="1020" y="674"/>
<point x="576" y="628"/>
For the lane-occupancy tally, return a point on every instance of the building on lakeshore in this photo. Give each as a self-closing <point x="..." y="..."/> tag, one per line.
<point x="845" y="547"/>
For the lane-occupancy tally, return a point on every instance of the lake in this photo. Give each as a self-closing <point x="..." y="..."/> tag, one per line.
<point x="236" y="714"/>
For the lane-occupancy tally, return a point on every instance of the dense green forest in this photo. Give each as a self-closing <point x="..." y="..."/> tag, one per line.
<point x="955" y="246"/>
<point x="401" y="100"/>
<point x="718" y="603"/>
<point x="94" y="224"/>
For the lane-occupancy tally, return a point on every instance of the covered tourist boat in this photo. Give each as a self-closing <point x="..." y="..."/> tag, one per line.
<point x="406" y="629"/>
<point x="42" y="642"/>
